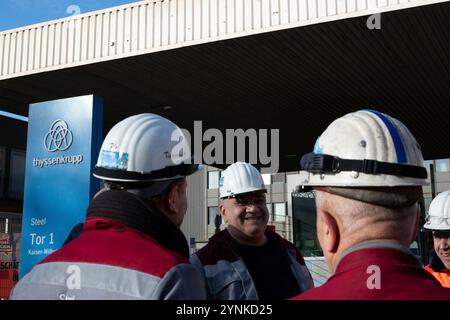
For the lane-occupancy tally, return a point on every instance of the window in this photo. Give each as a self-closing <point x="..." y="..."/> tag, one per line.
<point x="304" y="224"/>
<point x="427" y="202"/>
<point x="213" y="179"/>
<point x="426" y="164"/>
<point x="17" y="174"/>
<point x="212" y="213"/>
<point x="414" y="247"/>
<point x="279" y="178"/>
<point x="267" y="178"/>
<point x="2" y="170"/>
<point x="442" y="165"/>
<point x="279" y="212"/>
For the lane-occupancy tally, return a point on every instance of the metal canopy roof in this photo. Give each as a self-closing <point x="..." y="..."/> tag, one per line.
<point x="297" y="80"/>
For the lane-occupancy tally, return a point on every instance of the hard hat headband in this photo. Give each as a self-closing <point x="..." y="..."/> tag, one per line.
<point x="324" y="163"/>
<point x="243" y="195"/>
<point x="390" y="197"/>
<point x="165" y="173"/>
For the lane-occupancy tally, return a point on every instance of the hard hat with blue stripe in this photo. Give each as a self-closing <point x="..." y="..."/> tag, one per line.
<point x="365" y="148"/>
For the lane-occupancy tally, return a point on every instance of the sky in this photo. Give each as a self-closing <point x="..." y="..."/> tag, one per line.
<point x="18" y="13"/>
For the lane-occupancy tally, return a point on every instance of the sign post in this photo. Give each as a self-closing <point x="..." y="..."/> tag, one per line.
<point x="64" y="137"/>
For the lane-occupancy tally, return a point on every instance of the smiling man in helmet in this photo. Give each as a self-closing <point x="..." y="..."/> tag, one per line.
<point x="246" y="261"/>
<point x="131" y="246"/>
<point x="367" y="174"/>
<point x="438" y="222"/>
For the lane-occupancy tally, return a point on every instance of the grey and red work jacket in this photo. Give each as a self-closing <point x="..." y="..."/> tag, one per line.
<point x="112" y="260"/>
<point x="226" y="275"/>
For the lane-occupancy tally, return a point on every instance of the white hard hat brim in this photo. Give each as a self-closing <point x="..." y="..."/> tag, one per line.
<point x="440" y="227"/>
<point x="247" y="190"/>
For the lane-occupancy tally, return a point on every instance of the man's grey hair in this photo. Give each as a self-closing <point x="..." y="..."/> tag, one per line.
<point x="364" y="221"/>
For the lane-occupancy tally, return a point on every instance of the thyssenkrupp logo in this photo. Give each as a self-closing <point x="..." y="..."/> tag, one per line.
<point x="59" y="138"/>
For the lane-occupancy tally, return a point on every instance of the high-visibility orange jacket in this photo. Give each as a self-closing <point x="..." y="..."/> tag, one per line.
<point x="443" y="276"/>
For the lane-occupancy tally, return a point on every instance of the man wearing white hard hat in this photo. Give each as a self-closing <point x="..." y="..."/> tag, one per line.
<point x="438" y="222"/>
<point x="131" y="246"/>
<point x="367" y="174"/>
<point x="246" y="261"/>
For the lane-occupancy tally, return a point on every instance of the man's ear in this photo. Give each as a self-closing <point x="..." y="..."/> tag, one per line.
<point x="172" y="198"/>
<point x="222" y="212"/>
<point x="330" y="235"/>
<point x="416" y="225"/>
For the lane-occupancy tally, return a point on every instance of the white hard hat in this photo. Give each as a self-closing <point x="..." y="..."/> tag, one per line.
<point x="240" y="177"/>
<point x="144" y="148"/>
<point x="365" y="149"/>
<point x="439" y="213"/>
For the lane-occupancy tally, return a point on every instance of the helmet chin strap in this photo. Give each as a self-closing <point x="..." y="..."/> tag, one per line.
<point x="143" y="190"/>
<point x="324" y="163"/>
<point x="365" y="148"/>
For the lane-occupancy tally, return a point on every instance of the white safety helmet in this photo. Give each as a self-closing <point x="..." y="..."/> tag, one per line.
<point x="365" y="149"/>
<point x="144" y="148"/>
<point x="240" y="177"/>
<point x="439" y="213"/>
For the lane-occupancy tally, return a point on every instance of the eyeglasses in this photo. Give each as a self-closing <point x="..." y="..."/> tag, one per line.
<point x="249" y="199"/>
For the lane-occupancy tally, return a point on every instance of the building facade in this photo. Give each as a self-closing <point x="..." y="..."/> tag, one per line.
<point x="291" y="215"/>
<point x="272" y="58"/>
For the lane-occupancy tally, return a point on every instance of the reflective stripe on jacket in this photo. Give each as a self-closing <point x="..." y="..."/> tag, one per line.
<point x="111" y="261"/>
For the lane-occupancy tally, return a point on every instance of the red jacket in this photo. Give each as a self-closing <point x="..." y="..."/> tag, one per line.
<point x="112" y="261"/>
<point x="400" y="278"/>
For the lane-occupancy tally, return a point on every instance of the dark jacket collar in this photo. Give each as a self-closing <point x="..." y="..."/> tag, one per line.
<point x="224" y="238"/>
<point x="132" y="211"/>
